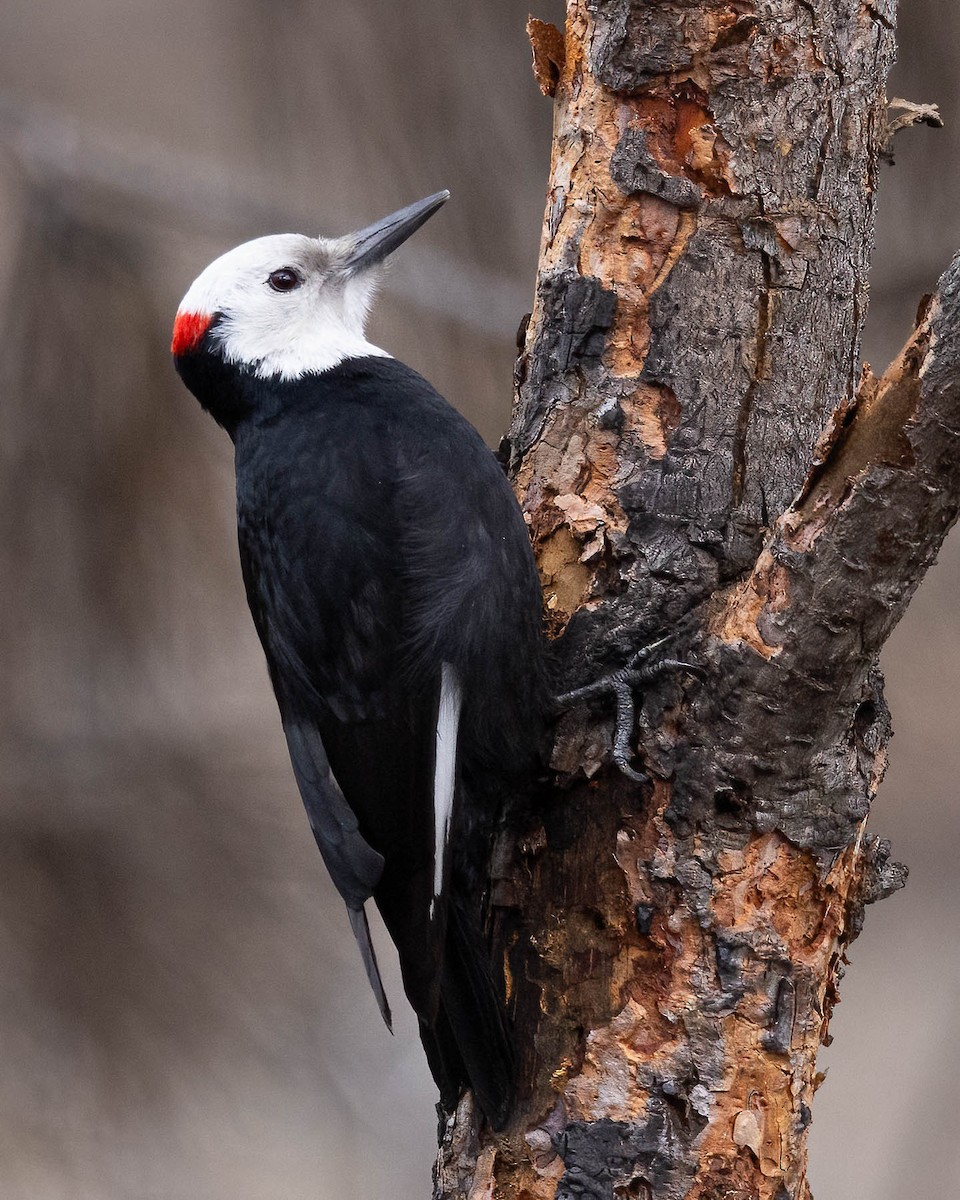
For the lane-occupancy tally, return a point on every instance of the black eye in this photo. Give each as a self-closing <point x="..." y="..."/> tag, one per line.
<point x="284" y="280"/>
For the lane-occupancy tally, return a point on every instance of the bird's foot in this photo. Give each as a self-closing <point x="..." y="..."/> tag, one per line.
<point x="641" y="668"/>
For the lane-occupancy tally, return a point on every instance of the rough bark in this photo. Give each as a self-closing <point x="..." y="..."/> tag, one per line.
<point x="699" y="457"/>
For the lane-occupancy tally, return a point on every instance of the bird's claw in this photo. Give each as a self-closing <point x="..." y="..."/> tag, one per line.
<point x="620" y="685"/>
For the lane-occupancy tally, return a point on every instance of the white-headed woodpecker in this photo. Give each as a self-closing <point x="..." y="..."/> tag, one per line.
<point x="391" y="580"/>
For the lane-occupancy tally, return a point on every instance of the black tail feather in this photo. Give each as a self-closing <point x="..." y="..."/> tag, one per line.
<point x="361" y="931"/>
<point x="444" y="1059"/>
<point x="469" y="1044"/>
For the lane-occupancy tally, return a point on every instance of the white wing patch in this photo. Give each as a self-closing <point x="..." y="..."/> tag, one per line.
<point x="445" y="768"/>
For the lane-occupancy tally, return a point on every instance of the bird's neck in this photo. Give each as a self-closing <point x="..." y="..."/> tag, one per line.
<point x="233" y="392"/>
<point x="230" y="392"/>
<point x="302" y="350"/>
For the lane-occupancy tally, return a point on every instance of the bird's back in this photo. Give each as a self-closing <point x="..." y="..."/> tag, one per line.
<point x="379" y="538"/>
<point x="384" y="553"/>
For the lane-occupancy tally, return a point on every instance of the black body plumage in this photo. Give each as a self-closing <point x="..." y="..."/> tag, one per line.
<point x="390" y="576"/>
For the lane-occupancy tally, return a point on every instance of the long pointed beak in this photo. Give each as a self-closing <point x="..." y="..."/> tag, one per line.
<point x="373" y="244"/>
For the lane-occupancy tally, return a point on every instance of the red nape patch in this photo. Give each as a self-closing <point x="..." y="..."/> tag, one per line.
<point x="188" y="331"/>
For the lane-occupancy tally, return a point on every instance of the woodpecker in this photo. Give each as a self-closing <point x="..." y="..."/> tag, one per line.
<point x="391" y="580"/>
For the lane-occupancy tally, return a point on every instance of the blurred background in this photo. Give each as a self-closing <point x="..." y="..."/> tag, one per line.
<point x="182" y="1009"/>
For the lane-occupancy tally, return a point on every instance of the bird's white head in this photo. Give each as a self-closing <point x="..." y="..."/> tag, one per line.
<point x="288" y="305"/>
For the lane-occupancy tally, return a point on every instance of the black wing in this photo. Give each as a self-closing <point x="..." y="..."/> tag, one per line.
<point x="319" y="549"/>
<point x="354" y="866"/>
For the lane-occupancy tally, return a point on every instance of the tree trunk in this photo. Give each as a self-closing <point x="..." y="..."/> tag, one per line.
<point x="700" y="459"/>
